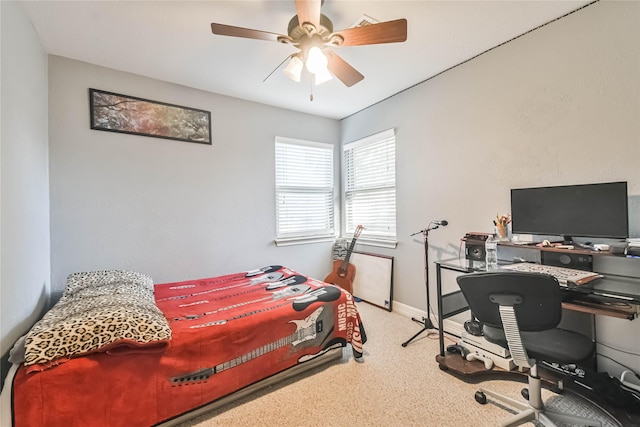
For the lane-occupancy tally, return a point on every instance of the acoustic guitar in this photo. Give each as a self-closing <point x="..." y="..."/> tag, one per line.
<point x="344" y="272"/>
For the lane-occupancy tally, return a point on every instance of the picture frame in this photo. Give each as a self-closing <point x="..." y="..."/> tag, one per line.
<point x="114" y="112"/>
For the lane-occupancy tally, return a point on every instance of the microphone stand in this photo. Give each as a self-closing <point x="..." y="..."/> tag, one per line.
<point x="425" y="321"/>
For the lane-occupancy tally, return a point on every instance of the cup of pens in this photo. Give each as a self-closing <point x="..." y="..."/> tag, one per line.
<point x="501" y="224"/>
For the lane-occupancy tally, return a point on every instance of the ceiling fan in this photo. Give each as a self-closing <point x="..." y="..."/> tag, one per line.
<point x="312" y="33"/>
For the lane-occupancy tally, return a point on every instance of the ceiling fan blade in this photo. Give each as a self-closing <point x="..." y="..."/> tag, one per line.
<point x="384" y="32"/>
<point x="229" y="30"/>
<point x="342" y="70"/>
<point x="309" y="11"/>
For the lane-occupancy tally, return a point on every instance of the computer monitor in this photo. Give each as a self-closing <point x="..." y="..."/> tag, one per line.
<point x="587" y="210"/>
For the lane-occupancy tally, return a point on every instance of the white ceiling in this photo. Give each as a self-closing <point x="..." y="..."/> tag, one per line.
<point x="172" y="41"/>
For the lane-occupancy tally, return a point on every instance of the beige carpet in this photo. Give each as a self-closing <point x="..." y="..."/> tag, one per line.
<point x="394" y="386"/>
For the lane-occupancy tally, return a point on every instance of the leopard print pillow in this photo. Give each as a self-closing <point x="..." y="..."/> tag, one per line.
<point x="95" y="279"/>
<point x="98" y="311"/>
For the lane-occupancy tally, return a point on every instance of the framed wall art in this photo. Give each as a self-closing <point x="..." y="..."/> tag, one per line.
<point x="115" y="112"/>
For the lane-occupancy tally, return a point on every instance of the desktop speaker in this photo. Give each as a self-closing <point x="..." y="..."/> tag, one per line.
<point x="474" y="245"/>
<point x="474" y="250"/>
<point x="568" y="260"/>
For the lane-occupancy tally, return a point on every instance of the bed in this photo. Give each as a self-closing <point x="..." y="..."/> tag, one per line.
<point x="118" y="350"/>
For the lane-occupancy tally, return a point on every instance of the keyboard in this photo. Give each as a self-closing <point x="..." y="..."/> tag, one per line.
<point x="563" y="274"/>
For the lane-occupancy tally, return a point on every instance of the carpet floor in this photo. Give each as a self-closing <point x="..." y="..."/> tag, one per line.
<point x="393" y="386"/>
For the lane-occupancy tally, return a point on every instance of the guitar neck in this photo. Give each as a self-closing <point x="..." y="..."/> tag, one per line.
<point x="351" y="246"/>
<point x="345" y="262"/>
<point x="254" y="354"/>
<point x="306" y="330"/>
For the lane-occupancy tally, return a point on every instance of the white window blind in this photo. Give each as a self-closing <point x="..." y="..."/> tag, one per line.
<point x="370" y="186"/>
<point x="304" y="189"/>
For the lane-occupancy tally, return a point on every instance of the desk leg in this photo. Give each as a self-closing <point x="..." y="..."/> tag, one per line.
<point x="439" y="298"/>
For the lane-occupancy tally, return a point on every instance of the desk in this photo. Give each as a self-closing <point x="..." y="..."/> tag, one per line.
<point x="612" y="295"/>
<point x="452" y="303"/>
<point x="616" y="296"/>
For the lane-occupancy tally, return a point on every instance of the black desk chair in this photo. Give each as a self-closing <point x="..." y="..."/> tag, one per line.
<point x="521" y="312"/>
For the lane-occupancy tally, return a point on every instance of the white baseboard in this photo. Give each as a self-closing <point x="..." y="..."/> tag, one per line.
<point x="407" y="310"/>
<point x="453" y="328"/>
<point x="449" y="326"/>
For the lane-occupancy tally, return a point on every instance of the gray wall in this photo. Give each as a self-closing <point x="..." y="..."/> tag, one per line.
<point x="24" y="197"/>
<point x="173" y="210"/>
<point x="557" y="106"/>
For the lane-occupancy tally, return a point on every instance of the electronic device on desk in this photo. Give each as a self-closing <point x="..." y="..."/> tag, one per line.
<point x="481" y="356"/>
<point x="588" y="210"/>
<point x="488" y="353"/>
<point x="470" y="355"/>
<point x="459" y="349"/>
<point x="474" y="245"/>
<point x="564" y="275"/>
<point x="569" y="260"/>
<point x="618" y="248"/>
<point x="481" y="342"/>
<point x="632" y="252"/>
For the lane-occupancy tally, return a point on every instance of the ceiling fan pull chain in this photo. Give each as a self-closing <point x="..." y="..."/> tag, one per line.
<point x="310" y="91"/>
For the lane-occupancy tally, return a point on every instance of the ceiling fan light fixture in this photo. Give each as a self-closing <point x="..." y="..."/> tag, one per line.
<point x="316" y="60"/>
<point x="312" y="33"/>
<point x="322" y="76"/>
<point x="293" y="70"/>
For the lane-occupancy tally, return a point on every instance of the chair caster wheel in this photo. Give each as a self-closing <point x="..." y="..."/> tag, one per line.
<point x="481" y="398"/>
<point x="525" y="393"/>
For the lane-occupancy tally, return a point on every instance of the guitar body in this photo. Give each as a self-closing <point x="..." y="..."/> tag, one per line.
<point x="344" y="279"/>
<point x="343" y="272"/>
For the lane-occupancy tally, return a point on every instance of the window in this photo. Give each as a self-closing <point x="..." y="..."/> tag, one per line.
<point x="304" y="191"/>
<point x="370" y="186"/>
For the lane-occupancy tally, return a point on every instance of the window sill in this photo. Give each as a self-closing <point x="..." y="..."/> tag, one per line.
<point x="390" y="244"/>
<point x="303" y="240"/>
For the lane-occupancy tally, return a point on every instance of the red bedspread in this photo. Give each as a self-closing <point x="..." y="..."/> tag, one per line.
<point x="228" y="332"/>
